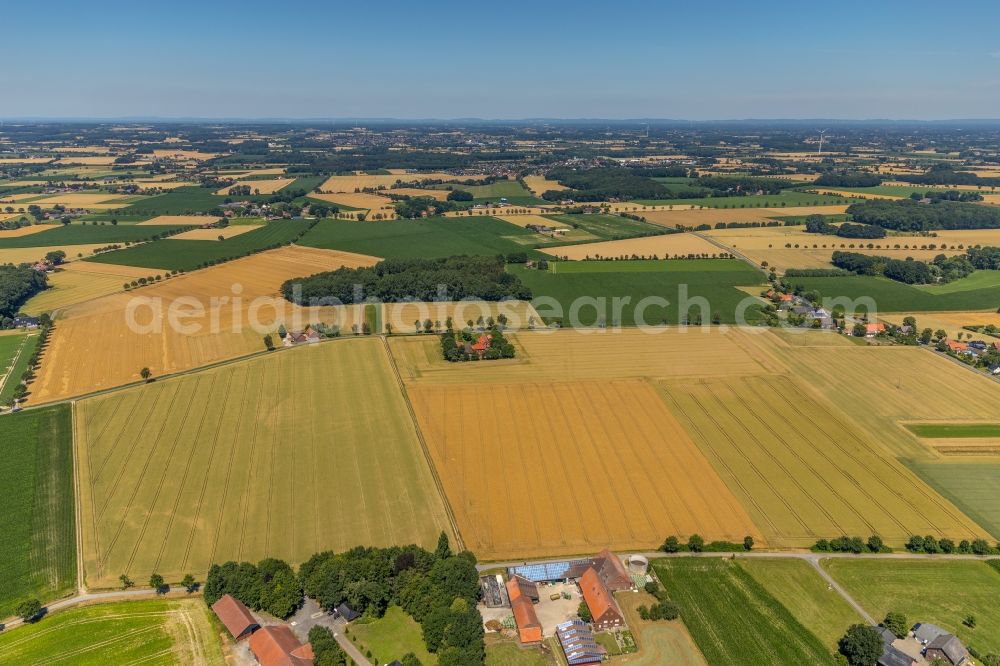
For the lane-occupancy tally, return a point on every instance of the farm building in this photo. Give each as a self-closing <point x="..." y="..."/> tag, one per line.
<point x="612" y="572"/>
<point x="529" y="629"/>
<point x="278" y="646"/>
<point x="493" y="591"/>
<point x="551" y="571"/>
<point x="871" y="330"/>
<point x="526" y="587"/>
<point x="603" y="607"/>
<point x="948" y="649"/>
<point x="578" y="644"/>
<point x="235" y="616"/>
<point x="348" y="613"/>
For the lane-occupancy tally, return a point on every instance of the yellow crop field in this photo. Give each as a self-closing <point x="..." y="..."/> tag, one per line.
<point x="194" y="220"/>
<point x="336" y="184"/>
<point x="213" y="234"/>
<point x="560" y="355"/>
<point x="547" y="468"/>
<point x="25" y="231"/>
<point x="367" y="203"/>
<point x="78" y="281"/>
<point x="951" y="322"/>
<point x="711" y="216"/>
<point x="541" y="184"/>
<point x="88" y="160"/>
<point x="965" y="237"/>
<point x="213" y="310"/>
<point x="439" y="195"/>
<point x="25" y="160"/>
<point x="802" y="469"/>
<point x="77" y="200"/>
<point x="251" y="460"/>
<point x="259" y="186"/>
<point x="854" y="195"/>
<point x="401" y="316"/>
<point x="183" y="155"/>
<point x="23" y="255"/>
<point x="668" y="245"/>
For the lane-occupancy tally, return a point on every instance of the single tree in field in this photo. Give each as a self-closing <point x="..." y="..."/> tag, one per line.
<point x="748" y="543"/>
<point x="126" y="582"/>
<point x="145" y="373"/>
<point x="28" y="609"/>
<point x="156" y="582"/>
<point x="189" y="583"/>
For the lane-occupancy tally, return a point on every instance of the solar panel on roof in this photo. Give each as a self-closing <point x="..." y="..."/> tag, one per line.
<point x="548" y="571"/>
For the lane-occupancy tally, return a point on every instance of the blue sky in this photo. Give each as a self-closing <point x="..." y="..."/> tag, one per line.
<point x="510" y="59"/>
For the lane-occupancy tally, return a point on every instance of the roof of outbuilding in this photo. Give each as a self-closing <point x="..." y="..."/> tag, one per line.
<point x="234" y="615"/>
<point x="276" y="645"/>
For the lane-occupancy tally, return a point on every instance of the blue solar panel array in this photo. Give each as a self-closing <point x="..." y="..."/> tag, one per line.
<point x="578" y="643"/>
<point x="539" y="573"/>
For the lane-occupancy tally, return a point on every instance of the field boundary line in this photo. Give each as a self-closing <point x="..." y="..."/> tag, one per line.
<point x="423" y="444"/>
<point x="729" y="250"/>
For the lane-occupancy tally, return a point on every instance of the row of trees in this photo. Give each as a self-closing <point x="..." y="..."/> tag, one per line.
<point x="400" y="280"/>
<point x="849" y="179"/>
<point x="696" y="544"/>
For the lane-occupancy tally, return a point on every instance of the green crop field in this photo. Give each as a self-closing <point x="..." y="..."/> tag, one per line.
<point x="978" y="280"/>
<point x="307" y="183"/>
<point x="10" y="343"/>
<point x="974" y="487"/>
<point x="960" y="430"/>
<point x="733" y="619"/>
<point x="511" y="190"/>
<point x="431" y="237"/>
<point x="186" y="255"/>
<point x="149" y="632"/>
<point x="788" y="198"/>
<point x="79" y="234"/>
<point x="715" y="281"/>
<point x="15" y="367"/>
<point x="509" y="653"/>
<point x="392" y="636"/>
<point x="285" y="455"/>
<point x="943" y="592"/>
<point x="891" y="296"/>
<point x="176" y="202"/>
<point x="609" y="227"/>
<point x="38" y="549"/>
<point x="806" y="595"/>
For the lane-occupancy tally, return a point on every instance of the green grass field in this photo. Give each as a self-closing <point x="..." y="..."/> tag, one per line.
<point x="176" y="202"/>
<point x="948" y="430"/>
<point x="511" y="190"/>
<point x="806" y="595"/>
<point x="431" y="237"/>
<point x="284" y="455"/>
<point x="714" y="280"/>
<point x="10" y="343"/>
<point x="508" y="653"/>
<point x="155" y="632"/>
<point x="79" y="234"/>
<point x="788" y="198"/>
<point x="976" y="281"/>
<point x="733" y="619"/>
<point x="14" y="368"/>
<point x="38" y="549"/>
<point x="307" y="183"/>
<point x="974" y="487"/>
<point x="891" y="296"/>
<point x="392" y="636"/>
<point x="171" y="254"/>
<point x="609" y="227"/>
<point x="943" y="592"/>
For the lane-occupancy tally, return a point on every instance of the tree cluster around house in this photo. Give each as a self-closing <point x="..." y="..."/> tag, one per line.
<point x="941" y="269"/>
<point x="468" y="345"/>
<point x="17" y="285"/>
<point x="401" y="280"/>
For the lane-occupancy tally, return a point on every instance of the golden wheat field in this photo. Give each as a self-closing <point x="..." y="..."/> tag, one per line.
<point x="952" y="322"/>
<point x="337" y="184"/>
<point x="541" y="184"/>
<point x="854" y="195"/>
<point x="25" y="231"/>
<point x="668" y="245"/>
<point x="194" y="220"/>
<point x="214" y="234"/>
<point x="25" y="160"/>
<point x="269" y="457"/>
<point x="181" y="323"/>
<point x="79" y="281"/>
<point x="269" y="186"/>
<point x="548" y="468"/>
<point x="29" y="255"/>
<point x="79" y="200"/>
<point x="183" y="155"/>
<point x="87" y="160"/>
<point x="438" y="195"/>
<point x="370" y="204"/>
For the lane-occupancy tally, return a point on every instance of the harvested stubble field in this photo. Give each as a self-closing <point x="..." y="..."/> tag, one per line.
<point x="803" y="469"/>
<point x="80" y="281"/>
<point x="547" y="468"/>
<point x="153" y="632"/>
<point x="213" y="234"/>
<point x="22" y="255"/>
<point x="952" y="322"/>
<point x="268" y="186"/>
<point x="439" y="195"/>
<point x="249" y="460"/>
<point x="97" y="201"/>
<point x="402" y="316"/>
<point x="24" y="231"/>
<point x="363" y="181"/>
<point x="78" y="362"/>
<point x="361" y="202"/>
<point x="667" y="245"/>
<point x="682" y="215"/>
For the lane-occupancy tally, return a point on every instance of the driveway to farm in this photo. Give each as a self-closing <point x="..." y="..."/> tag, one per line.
<point x="812" y="558"/>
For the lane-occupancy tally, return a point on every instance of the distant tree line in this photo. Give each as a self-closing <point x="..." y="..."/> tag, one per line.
<point x="947" y="175"/>
<point x="948" y="195"/>
<point x="17" y="285"/>
<point x="817" y="224"/>
<point x="399" y="280"/>
<point x="849" y="179"/>
<point x="604" y="184"/>
<point x="908" y="271"/>
<point x="729" y="186"/>
<point x="909" y="215"/>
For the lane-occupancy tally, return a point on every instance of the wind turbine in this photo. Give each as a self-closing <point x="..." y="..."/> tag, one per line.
<point x="820" y="150"/>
